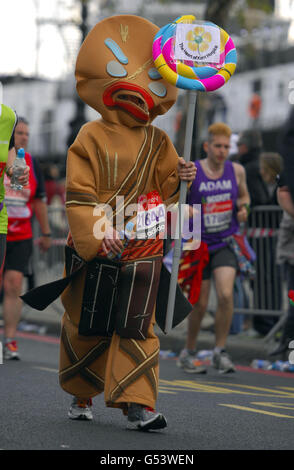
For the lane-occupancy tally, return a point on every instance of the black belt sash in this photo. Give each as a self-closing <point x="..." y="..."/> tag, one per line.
<point x="105" y="301"/>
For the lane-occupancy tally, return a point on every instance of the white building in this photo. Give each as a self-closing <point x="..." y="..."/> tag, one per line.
<point x="285" y="9"/>
<point x="49" y="105"/>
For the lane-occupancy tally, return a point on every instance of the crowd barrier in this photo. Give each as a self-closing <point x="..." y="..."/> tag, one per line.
<point x="265" y="294"/>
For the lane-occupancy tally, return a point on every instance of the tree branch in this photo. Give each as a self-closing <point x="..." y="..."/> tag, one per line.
<point x="217" y="11"/>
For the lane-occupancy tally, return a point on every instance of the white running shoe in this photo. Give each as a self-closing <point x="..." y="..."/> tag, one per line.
<point x="144" y="419"/>
<point x="11" y="351"/>
<point x="188" y="363"/>
<point x="81" y="409"/>
<point x="222" y="362"/>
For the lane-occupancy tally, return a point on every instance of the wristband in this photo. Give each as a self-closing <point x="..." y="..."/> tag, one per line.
<point x="46" y="234"/>
<point x="247" y="207"/>
<point x="7" y="170"/>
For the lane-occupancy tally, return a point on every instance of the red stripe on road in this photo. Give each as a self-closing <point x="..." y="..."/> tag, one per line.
<point x="36" y="337"/>
<point x="266" y="372"/>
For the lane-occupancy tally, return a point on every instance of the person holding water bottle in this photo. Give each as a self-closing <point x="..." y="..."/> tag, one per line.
<point x="22" y="198"/>
<point x="8" y="120"/>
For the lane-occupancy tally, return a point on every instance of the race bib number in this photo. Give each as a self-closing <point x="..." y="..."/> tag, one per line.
<point x="150" y="216"/>
<point x="217" y="216"/>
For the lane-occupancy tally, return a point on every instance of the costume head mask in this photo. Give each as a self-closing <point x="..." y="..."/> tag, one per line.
<point x="116" y="75"/>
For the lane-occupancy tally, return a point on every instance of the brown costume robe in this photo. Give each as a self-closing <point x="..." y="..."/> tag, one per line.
<point x="121" y="154"/>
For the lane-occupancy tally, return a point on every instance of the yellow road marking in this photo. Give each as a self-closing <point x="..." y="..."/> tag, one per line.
<point x="287" y="388"/>
<point x="262" y="389"/>
<point x="47" y="369"/>
<point x="254" y="410"/>
<point x="285" y="406"/>
<point x="187" y="385"/>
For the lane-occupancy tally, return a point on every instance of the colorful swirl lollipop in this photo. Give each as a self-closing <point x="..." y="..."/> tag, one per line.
<point x="189" y="74"/>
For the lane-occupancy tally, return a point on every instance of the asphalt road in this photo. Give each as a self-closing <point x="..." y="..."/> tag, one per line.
<point x="248" y="410"/>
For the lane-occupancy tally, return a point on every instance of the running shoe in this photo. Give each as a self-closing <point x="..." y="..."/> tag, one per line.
<point x="81" y="409"/>
<point x="189" y="363"/>
<point x="144" y="418"/>
<point x="11" y="351"/>
<point x="222" y="362"/>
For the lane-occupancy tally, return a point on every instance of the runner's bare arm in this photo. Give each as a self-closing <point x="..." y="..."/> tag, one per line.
<point x="285" y="200"/>
<point x="243" y="201"/>
<point x="11" y="157"/>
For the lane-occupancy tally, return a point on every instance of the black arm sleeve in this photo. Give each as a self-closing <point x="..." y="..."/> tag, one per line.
<point x="11" y="143"/>
<point x="286" y="147"/>
<point x="41" y="191"/>
<point x="256" y="188"/>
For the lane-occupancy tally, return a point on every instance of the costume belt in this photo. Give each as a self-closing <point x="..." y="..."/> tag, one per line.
<point x="130" y="292"/>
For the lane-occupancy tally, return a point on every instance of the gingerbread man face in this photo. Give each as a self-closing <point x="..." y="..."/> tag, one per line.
<point x="116" y="75"/>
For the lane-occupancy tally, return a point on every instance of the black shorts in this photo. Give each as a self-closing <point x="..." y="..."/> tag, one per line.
<point x="18" y="256"/>
<point x="222" y="257"/>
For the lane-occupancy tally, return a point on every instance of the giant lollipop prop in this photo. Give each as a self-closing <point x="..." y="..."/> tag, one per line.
<point x="196" y="56"/>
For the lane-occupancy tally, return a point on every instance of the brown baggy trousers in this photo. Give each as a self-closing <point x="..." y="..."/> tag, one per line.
<point x="125" y="369"/>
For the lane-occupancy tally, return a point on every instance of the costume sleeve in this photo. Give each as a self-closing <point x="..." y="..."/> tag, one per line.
<point x="82" y="188"/>
<point x="166" y="172"/>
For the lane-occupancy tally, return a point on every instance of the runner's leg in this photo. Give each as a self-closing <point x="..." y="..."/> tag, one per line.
<point x="224" y="278"/>
<point x="196" y="315"/>
<point x="12" y="304"/>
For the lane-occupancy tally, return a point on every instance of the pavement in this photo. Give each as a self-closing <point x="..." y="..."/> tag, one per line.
<point x="243" y="347"/>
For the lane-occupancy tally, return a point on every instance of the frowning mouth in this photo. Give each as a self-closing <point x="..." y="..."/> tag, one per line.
<point x="132" y="98"/>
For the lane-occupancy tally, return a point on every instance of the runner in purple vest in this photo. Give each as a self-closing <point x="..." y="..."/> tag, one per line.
<point x="220" y="187"/>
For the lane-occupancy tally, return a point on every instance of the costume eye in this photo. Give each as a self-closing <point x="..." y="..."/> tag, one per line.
<point x="158" y="89"/>
<point x="154" y="74"/>
<point x="115" y="69"/>
<point x="116" y="50"/>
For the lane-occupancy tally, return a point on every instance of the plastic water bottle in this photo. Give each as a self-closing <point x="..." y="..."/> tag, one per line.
<point x="125" y="236"/>
<point x="165" y="354"/>
<point x="261" y="364"/>
<point x="19" y="166"/>
<point x="278" y="365"/>
<point x="284" y="366"/>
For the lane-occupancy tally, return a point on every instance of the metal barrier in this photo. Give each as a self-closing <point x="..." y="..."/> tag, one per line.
<point x="266" y="293"/>
<point x="49" y="266"/>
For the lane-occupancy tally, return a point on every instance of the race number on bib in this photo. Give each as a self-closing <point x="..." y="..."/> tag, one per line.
<point x="217" y="215"/>
<point x="150" y="216"/>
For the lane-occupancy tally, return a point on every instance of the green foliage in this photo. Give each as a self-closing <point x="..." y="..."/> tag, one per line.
<point x="183" y="1"/>
<point x="265" y="5"/>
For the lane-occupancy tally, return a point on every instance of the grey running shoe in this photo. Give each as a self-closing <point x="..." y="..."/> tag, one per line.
<point x="144" y="419"/>
<point x="81" y="409"/>
<point x="188" y="362"/>
<point x="222" y="362"/>
<point x="11" y="351"/>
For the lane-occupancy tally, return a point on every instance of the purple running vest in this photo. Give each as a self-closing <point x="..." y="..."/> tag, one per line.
<point x="218" y="205"/>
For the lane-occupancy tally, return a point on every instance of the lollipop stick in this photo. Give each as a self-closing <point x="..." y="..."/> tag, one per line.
<point x="192" y="94"/>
